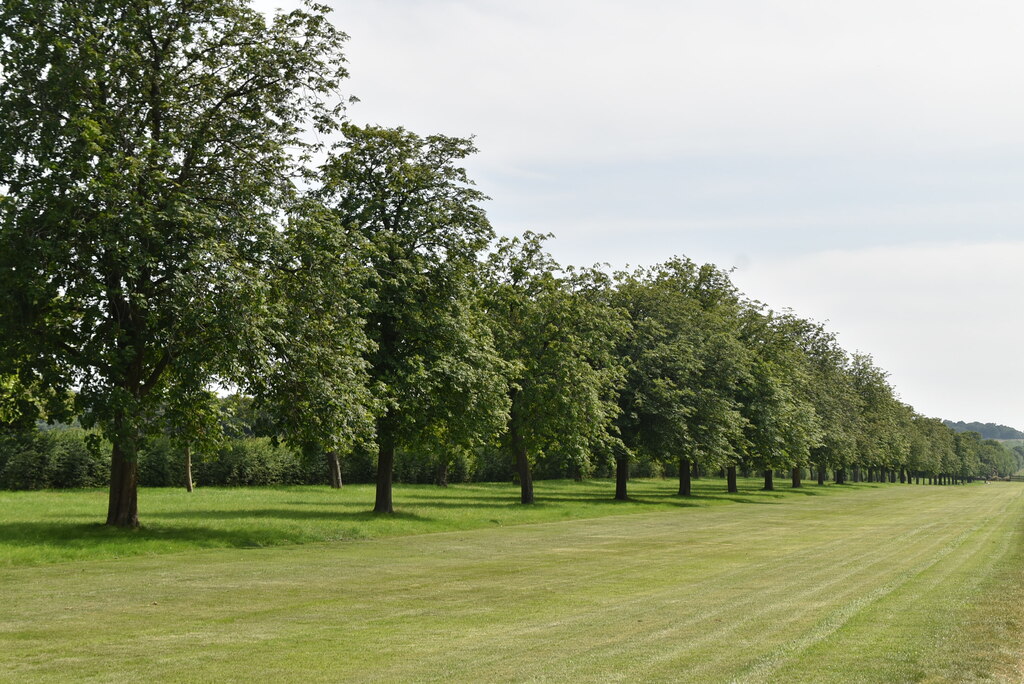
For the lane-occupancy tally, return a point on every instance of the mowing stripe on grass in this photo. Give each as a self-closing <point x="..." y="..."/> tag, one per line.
<point x="879" y="585"/>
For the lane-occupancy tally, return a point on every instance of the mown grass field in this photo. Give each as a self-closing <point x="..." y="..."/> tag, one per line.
<point x="867" y="583"/>
<point x="43" y="527"/>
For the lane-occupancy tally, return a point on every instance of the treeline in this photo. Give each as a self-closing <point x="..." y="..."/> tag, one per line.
<point x="58" y="457"/>
<point x="163" y="232"/>
<point x="986" y="430"/>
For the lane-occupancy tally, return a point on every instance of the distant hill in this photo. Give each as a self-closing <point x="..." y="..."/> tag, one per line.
<point x="986" y="430"/>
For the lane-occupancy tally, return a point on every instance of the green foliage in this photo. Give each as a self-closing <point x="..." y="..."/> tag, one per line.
<point x="147" y="152"/>
<point x="238" y="462"/>
<point x="882" y="437"/>
<point x="684" y="361"/>
<point x="431" y="363"/>
<point x="557" y="332"/>
<point x="54" y="459"/>
<point x="781" y="423"/>
<point x="313" y="385"/>
<point x="986" y="430"/>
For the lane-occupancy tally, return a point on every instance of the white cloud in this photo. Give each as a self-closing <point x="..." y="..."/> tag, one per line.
<point x="608" y="80"/>
<point x="743" y="131"/>
<point x="944" y="320"/>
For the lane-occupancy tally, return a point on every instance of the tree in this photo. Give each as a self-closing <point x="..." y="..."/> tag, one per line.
<point x="557" y="336"/>
<point x="432" y="361"/>
<point x="683" y="361"/>
<point x="313" y="383"/>
<point x="781" y="425"/>
<point x="146" y="152"/>
<point x="882" y="429"/>
<point x="833" y="397"/>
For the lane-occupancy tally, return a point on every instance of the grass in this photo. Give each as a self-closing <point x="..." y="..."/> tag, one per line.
<point x="882" y="583"/>
<point x="55" y="526"/>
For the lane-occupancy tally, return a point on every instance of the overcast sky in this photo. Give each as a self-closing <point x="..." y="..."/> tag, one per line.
<point x="860" y="162"/>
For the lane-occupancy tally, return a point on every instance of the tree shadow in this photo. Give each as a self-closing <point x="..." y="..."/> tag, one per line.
<point x="75" y="536"/>
<point x="283" y="513"/>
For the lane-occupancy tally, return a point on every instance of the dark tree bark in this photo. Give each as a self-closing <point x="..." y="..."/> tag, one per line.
<point x="385" y="467"/>
<point x="684" y="476"/>
<point x="695" y="473"/>
<point x="123" y="505"/>
<point x="519" y="452"/>
<point x="730" y="476"/>
<point x="821" y="473"/>
<point x="840" y="475"/>
<point x="769" y="480"/>
<point x="797" y="475"/>
<point x="621" y="477"/>
<point x="334" y="467"/>
<point x="522" y="463"/>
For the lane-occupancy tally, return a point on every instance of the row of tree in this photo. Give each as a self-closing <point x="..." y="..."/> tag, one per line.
<point x="986" y="430"/>
<point x="164" y="232"/>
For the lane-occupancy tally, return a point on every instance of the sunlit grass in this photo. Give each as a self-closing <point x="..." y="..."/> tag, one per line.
<point x="882" y="583"/>
<point x="54" y="526"/>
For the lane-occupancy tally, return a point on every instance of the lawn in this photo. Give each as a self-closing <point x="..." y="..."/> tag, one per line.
<point x="44" y="527"/>
<point x="870" y="583"/>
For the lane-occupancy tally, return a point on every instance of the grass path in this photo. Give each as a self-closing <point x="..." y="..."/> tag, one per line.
<point x="884" y="584"/>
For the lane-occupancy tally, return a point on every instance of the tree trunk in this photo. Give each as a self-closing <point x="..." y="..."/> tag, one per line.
<point x="519" y="452"/>
<point x="189" y="485"/>
<point x="525" y="478"/>
<point x="730" y="475"/>
<point x="797" y="475"/>
<point x="840" y="475"/>
<point x="385" y="467"/>
<point x="821" y="473"/>
<point x="441" y="474"/>
<point x="695" y="473"/>
<point x="334" y="467"/>
<point x="684" y="476"/>
<point x="123" y="504"/>
<point x="769" y="480"/>
<point x="522" y="466"/>
<point x="621" y="477"/>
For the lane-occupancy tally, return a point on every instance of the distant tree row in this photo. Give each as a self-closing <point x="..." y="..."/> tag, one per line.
<point x="164" y="233"/>
<point x="986" y="430"/>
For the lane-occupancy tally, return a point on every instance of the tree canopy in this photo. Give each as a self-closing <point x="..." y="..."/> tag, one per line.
<point x="147" y="154"/>
<point x="184" y="212"/>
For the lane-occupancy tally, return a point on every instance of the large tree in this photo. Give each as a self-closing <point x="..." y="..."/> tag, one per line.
<point x="683" y="361"/>
<point x="781" y="425"/>
<point x="432" y="366"/>
<point x="883" y="427"/>
<point x="308" y="373"/>
<point x="557" y="334"/>
<point x="830" y="391"/>
<point x="146" y="152"/>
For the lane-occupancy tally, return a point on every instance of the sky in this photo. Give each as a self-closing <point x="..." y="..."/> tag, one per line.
<point x="859" y="162"/>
